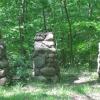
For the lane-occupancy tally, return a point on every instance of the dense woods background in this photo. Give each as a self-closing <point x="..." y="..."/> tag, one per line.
<point x="76" y="28"/>
<point x="75" y="24"/>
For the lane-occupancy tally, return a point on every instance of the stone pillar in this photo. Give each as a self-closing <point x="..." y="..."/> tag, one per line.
<point x="45" y="65"/>
<point x="98" y="61"/>
<point x="3" y="63"/>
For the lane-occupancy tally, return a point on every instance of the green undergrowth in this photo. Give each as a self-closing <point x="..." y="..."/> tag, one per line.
<point x="71" y="83"/>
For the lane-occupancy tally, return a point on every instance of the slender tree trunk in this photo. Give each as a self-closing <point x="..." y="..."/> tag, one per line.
<point x="63" y="50"/>
<point x="70" y="39"/>
<point x="90" y="11"/>
<point x="22" y="25"/>
<point x="62" y="10"/>
<point x="79" y="7"/>
<point x="44" y="20"/>
<point x="90" y="14"/>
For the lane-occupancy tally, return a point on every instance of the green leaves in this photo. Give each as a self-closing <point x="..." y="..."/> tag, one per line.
<point x="85" y="30"/>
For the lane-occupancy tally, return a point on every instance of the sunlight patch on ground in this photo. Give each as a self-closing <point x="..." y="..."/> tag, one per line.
<point x="86" y="77"/>
<point x="59" y="91"/>
<point x="30" y="88"/>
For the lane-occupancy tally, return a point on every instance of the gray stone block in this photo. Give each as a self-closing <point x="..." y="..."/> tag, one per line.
<point x="2" y="73"/>
<point x="3" y="80"/>
<point x="48" y="71"/>
<point x="39" y="61"/>
<point x="3" y="63"/>
<point x="41" y="78"/>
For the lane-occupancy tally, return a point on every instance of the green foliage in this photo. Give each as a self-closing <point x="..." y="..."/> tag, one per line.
<point x="66" y="89"/>
<point x="85" y="31"/>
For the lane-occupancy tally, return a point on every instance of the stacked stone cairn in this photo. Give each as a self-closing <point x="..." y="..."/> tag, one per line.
<point x="44" y="59"/>
<point x="3" y="63"/>
<point x="98" y="62"/>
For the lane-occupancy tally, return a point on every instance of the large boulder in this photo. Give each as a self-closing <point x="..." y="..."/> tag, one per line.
<point x="48" y="71"/>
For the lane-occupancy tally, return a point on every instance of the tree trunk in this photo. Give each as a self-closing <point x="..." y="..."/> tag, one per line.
<point x="70" y="39"/>
<point x="22" y="10"/>
<point x="44" y="20"/>
<point x="90" y="11"/>
<point x="79" y="7"/>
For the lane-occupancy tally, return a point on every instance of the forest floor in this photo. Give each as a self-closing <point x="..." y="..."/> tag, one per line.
<point x="73" y="86"/>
